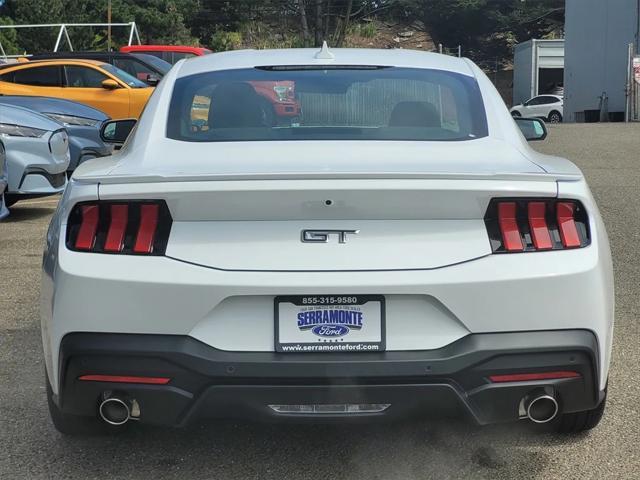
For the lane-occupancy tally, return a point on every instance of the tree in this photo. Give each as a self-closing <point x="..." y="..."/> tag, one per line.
<point x="486" y="29"/>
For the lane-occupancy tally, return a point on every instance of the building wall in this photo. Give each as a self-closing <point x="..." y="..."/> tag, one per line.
<point x="529" y="57"/>
<point x="597" y="34"/>
<point x="522" y="72"/>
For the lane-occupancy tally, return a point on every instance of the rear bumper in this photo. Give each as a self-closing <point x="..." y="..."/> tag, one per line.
<point x="209" y="383"/>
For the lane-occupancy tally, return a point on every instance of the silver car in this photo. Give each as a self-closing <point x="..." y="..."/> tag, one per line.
<point x="3" y="182"/>
<point x="81" y="122"/>
<point x="37" y="152"/>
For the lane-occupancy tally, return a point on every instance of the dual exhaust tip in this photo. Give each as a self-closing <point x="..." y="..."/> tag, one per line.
<point x="540" y="407"/>
<point x="117" y="409"/>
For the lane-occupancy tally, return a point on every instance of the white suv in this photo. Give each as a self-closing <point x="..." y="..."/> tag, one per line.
<point x="549" y="107"/>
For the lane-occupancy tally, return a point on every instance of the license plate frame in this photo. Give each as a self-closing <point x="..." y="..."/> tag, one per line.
<point x="319" y="336"/>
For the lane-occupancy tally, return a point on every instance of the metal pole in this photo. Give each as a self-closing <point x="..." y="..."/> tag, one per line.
<point x="55" y="49"/>
<point x="439" y="48"/>
<point x="459" y="51"/>
<point x="133" y="26"/>
<point x="628" y="86"/>
<point x="135" y="29"/>
<point x="66" y="34"/>
<point x="109" y="28"/>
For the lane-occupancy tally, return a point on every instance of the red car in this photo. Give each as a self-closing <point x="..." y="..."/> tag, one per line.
<point x="168" y="53"/>
<point x="280" y="94"/>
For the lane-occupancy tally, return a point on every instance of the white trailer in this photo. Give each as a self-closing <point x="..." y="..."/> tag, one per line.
<point x="538" y="68"/>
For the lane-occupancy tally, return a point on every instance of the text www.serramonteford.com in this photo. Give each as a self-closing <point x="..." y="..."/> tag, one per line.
<point x="357" y="347"/>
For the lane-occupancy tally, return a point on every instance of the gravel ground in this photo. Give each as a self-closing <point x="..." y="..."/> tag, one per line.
<point x="30" y="447"/>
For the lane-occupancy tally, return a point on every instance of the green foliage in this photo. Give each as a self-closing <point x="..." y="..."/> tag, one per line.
<point x="486" y="29"/>
<point x="366" y="29"/>
<point x="221" y="41"/>
<point x="8" y="38"/>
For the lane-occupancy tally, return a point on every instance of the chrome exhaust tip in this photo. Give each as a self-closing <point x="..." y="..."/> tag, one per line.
<point x="541" y="408"/>
<point x="115" y="411"/>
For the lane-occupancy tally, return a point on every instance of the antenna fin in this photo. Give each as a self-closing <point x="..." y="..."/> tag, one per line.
<point x="324" y="53"/>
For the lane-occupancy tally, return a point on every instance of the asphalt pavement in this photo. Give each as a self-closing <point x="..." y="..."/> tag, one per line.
<point x="30" y="448"/>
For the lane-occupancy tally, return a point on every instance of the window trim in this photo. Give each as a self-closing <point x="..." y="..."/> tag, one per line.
<point x="92" y="67"/>
<point x="35" y="67"/>
<point x="478" y="116"/>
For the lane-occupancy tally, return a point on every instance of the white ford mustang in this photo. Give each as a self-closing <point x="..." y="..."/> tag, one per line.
<point x="386" y="244"/>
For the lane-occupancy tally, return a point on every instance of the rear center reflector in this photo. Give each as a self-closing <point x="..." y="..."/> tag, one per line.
<point x="331" y="409"/>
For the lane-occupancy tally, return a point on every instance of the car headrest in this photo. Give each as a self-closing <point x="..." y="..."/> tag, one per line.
<point x="414" y="114"/>
<point x="235" y="105"/>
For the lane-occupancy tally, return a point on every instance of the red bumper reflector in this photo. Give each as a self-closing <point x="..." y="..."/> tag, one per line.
<point x="147" y="231"/>
<point x="528" y="377"/>
<point x="125" y="379"/>
<point x="538" y="225"/>
<point x="509" y="227"/>
<point x="117" y="228"/>
<point x="567" y="225"/>
<point x="87" y="233"/>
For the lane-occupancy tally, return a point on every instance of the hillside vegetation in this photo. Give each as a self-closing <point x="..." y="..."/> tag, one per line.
<point x="486" y="30"/>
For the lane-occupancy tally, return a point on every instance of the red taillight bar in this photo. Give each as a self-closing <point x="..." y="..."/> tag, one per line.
<point x="517" y="225"/>
<point x="528" y="377"/>
<point x="117" y="228"/>
<point x="125" y="379"/>
<point x="140" y="227"/>
<point x="87" y="233"/>
<point x="509" y="227"/>
<point x="538" y="225"/>
<point x="567" y="225"/>
<point x="147" y="229"/>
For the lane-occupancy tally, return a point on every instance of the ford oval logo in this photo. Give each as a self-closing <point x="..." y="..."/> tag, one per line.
<point x="330" y="331"/>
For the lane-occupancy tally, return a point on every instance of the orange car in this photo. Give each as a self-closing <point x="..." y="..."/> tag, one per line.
<point x="97" y="84"/>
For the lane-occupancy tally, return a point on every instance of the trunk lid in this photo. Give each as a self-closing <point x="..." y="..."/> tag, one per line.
<point x="257" y="225"/>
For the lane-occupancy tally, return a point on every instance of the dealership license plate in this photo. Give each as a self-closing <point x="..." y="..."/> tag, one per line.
<point x="329" y="323"/>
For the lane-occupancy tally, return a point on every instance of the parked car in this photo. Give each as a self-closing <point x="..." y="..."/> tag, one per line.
<point x="147" y="68"/>
<point x="401" y="250"/>
<point x="97" y="84"/>
<point x="82" y="123"/>
<point x="37" y="151"/>
<point x="548" y="107"/>
<point x="168" y="53"/>
<point x="4" y="211"/>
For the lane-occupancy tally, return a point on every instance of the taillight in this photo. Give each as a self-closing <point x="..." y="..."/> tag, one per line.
<point x="121" y="227"/>
<point x="537" y="224"/>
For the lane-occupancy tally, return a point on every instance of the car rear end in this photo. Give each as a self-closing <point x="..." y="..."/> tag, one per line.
<point x="301" y="282"/>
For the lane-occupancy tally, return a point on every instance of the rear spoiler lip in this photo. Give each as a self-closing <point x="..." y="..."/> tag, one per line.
<point x="520" y="177"/>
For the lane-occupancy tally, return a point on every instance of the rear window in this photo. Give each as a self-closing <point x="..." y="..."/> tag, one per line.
<point x="326" y="103"/>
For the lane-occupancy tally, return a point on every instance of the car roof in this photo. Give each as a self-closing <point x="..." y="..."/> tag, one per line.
<point x="336" y="57"/>
<point x="53" y="105"/>
<point x="56" y="55"/>
<point x="164" y="48"/>
<point x="61" y="61"/>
